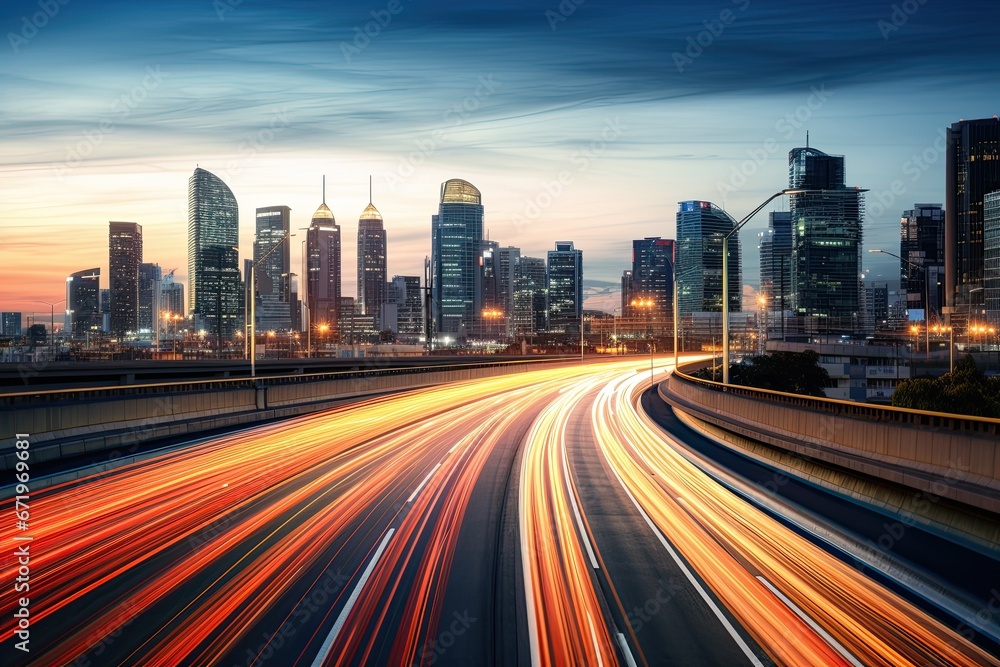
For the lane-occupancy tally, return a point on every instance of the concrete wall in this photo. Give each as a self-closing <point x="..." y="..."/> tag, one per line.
<point x="945" y="455"/>
<point x="67" y="423"/>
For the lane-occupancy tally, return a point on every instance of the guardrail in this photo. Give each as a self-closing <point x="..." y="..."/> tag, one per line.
<point x="70" y="422"/>
<point x="938" y="454"/>
<point x="881" y="413"/>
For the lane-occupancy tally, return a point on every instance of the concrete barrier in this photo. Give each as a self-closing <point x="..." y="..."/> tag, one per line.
<point x="63" y="423"/>
<point x="950" y="456"/>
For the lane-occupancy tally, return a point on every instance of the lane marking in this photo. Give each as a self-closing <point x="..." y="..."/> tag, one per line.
<point x="423" y="483"/>
<point x="570" y="491"/>
<point x="837" y="646"/>
<point x="626" y="650"/>
<point x="324" y="650"/>
<point x="691" y="578"/>
<point x="593" y="638"/>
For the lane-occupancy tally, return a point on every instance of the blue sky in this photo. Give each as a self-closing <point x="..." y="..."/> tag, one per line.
<point x="584" y="122"/>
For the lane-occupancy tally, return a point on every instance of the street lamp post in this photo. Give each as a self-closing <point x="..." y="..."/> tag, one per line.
<point x="725" y="276"/>
<point x="52" y="317"/>
<point x="927" y="300"/>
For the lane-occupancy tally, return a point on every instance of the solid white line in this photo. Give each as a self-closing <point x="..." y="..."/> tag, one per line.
<point x="626" y="650"/>
<point x="837" y="646"/>
<point x="324" y="650"/>
<point x="423" y="483"/>
<point x="522" y="526"/>
<point x="690" y="576"/>
<point x="576" y="508"/>
<point x="593" y="638"/>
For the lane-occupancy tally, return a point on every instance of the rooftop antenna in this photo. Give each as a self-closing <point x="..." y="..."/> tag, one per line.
<point x="369" y="188"/>
<point x="807" y="138"/>
<point x="324" y="188"/>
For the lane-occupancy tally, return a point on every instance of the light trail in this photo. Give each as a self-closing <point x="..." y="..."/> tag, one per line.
<point x="730" y="543"/>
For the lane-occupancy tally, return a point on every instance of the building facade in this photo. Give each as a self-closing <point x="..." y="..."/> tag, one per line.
<point x="456" y="233"/>
<point x="150" y="277"/>
<point x="272" y="269"/>
<point x="921" y="271"/>
<point x="371" y="263"/>
<point x="653" y="279"/>
<point x="701" y="229"/>
<point x="564" y="288"/>
<point x="10" y="324"/>
<point x="213" y="256"/>
<point x="991" y="256"/>
<point x="826" y="243"/>
<point x="124" y="258"/>
<point x="530" y="297"/>
<point x="83" y="303"/>
<point x="972" y="171"/>
<point x="323" y="272"/>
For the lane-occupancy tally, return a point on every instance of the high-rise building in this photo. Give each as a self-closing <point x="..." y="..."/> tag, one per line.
<point x="826" y="243"/>
<point x="876" y="305"/>
<point x="653" y="275"/>
<point x="322" y="269"/>
<point x="10" y="324"/>
<point x="171" y="296"/>
<point x="921" y="242"/>
<point x="701" y="228"/>
<point x="125" y="256"/>
<point x="272" y="269"/>
<point x="529" y="297"/>
<point x="105" y="309"/>
<point x="776" y="268"/>
<point x="487" y="277"/>
<point x="564" y="287"/>
<point x="991" y="256"/>
<point x="628" y="295"/>
<point x="456" y="232"/>
<point x="83" y="302"/>
<point x="507" y="260"/>
<point x="371" y="261"/>
<point x="403" y="311"/>
<point x="150" y="276"/>
<point x="213" y="255"/>
<point x="972" y="170"/>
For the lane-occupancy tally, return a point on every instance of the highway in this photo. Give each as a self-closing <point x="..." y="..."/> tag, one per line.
<point x="540" y="518"/>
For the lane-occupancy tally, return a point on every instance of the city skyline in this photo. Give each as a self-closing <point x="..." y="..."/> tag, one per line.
<point x="616" y="128"/>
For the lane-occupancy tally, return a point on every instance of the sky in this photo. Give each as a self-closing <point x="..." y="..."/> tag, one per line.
<point x="578" y="120"/>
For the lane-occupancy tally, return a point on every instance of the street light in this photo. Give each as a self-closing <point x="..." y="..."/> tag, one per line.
<point x="647" y="305"/>
<point x="927" y="299"/>
<point x="725" y="276"/>
<point x="52" y="316"/>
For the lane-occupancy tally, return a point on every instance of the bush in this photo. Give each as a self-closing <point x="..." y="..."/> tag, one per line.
<point x="965" y="391"/>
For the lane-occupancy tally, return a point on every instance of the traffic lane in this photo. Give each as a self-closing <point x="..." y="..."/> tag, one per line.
<point x="950" y="564"/>
<point x="667" y="619"/>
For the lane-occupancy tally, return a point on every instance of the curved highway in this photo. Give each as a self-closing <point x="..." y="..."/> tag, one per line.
<point x="540" y="519"/>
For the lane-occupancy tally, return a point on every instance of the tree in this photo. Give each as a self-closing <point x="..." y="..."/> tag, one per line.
<point x="964" y="391"/>
<point x="790" y="372"/>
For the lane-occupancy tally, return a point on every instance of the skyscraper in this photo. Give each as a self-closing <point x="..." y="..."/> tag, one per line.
<point x="487" y="278"/>
<point x="701" y="228"/>
<point x="213" y="255"/>
<point x="403" y="311"/>
<point x="322" y="269"/>
<point x="921" y="241"/>
<point x="124" y="258"/>
<point x="171" y="296"/>
<point x="564" y="286"/>
<point x="776" y="267"/>
<point x="10" y="324"/>
<point x="991" y="256"/>
<point x="826" y="243"/>
<point x="371" y="261"/>
<point x="972" y="171"/>
<point x="507" y="260"/>
<point x="529" y="296"/>
<point x="456" y="232"/>
<point x="272" y="268"/>
<point x="653" y="275"/>
<point x="150" y="276"/>
<point x="83" y="302"/>
<point x="628" y="293"/>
